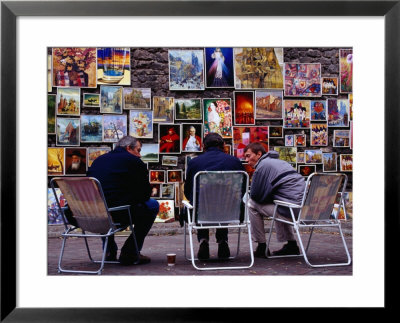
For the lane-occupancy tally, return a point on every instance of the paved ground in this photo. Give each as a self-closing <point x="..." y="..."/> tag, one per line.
<point x="168" y="238"/>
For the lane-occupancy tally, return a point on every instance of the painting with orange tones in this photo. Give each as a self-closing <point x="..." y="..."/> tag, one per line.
<point x="303" y="79"/>
<point x="249" y="170"/>
<point x="346" y="70"/>
<point x="157" y="176"/>
<point x="297" y="114"/>
<point x="244" y="108"/>
<point x="174" y="176"/>
<point x="113" y="66"/>
<point x="166" y="213"/>
<point x="300" y="140"/>
<point x="306" y="170"/>
<point x="55" y="161"/>
<point x="242" y="136"/>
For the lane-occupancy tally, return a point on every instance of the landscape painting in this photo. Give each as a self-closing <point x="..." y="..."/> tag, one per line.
<point x="94" y="152"/>
<point x="188" y="109"/>
<point x="68" y="101"/>
<point x="338" y="113"/>
<point x="114" y="127"/>
<point x="111" y="99"/>
<point x="329" y="162"/>
<point x="163" y="109"/>
<point x="149" y="153"/>
<point x="51" y="113"/>
<point x="55" y="161"/>
<point x="288" y="154"/>
<point x="91" y="99"/>
<point x="244" y="108"/>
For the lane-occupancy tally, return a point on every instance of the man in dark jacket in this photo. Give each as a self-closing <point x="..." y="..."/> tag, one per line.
<point x="213" y="159"/>
<point x="125" y="181"/>
<point x="273" y="179"/>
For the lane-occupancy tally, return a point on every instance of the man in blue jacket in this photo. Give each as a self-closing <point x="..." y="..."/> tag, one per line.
<point x="125" y="181"/>
<point x="273" y="179"/>
<point x="213" y="159"/>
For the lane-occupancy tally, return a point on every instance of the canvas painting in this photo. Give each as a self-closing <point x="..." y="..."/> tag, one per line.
<point x="242" y="136"/>
<point x="113" y="65"/>
<point x="218" y="117"/>
<point x="351" y="105"/>
<point x="163" y="109"/>
<point x="49" y="78"/>
<point x="244" y="108"/>
<point x="150" y="153"/>
<point x="169" y="160"/>
<point x="169" y="138"/>
<point x="74" y="67"/>
<point x="319" y="134"/>
<point x="329" y="162"/>
<point x="91" y="128"/>
<point x="330" y="85"/>
<point x="54" y="216"/>
<point x="94" y="152"/>
<point x="55" y="161"/>
<point x="313" y="156"/>
<point x="341" y="138"/>
<point x="219" y="67"/>
<point x="306" y="170"/>
<point x="141" y="123"/>
<point x="168" y="191"/>
<point x="351" y="134"/>
<point x="301" y="157"/>
<point x="114" y="127"/>
<point x="302" y="79"/>
<point x="91" y="99"/>
<point x="188" y="109"/>
<point x="192" y="137"/>
<point x="346" y="70"/>
<point x="297" y="114"/>
<point x="174" y="176"/>
<point x="155" y="190"/>
<point x="186" y="70"/>
<point x="68" y="101"/>
<point x="289" y="140"/>
<point x="75" y="161"/>
<point x="275" y="132"/>
<point x="228" y="149"/>
<point x="166" y="214"/>
<point x="318" y="110"/>
<point x="288" y="154"/>
<point x="258" y="68"/>
<point x="111" y="99"/>
<point x="135" y="98"/>
<point x="338" y="113"/>
<point x="157" y="176"/>
<point x="269" y="104"/>
<point x="51" y="113"/>
<point x="346" y="162"/>
<point x="67" y="132"/>
<point x="300" y="140"/>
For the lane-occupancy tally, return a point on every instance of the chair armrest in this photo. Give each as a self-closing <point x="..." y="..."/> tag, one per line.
<point x="287" y="204"/>
<point x="187" y="204"/>
<point x="118" y="208"/>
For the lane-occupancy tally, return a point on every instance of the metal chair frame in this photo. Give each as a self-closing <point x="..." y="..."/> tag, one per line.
<point x="70" y="229"/>
<point x="191" y="225"/>
<point x="300" y="223"/>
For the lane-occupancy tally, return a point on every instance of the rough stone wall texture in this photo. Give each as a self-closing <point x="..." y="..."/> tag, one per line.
<point x="149" y="69"/>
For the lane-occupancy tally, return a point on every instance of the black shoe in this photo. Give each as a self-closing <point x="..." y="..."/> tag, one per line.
<point x="111" y="255"/>
<point x="129" y="259"/>
<point x="204" y="251"/>
<point x="223" y="250"/>
<point x="287" y="250"/>
<point x="260" y="251"/>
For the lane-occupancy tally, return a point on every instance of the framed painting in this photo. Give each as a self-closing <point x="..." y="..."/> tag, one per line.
<point x="338" y="113"/>
<point x="330" y="85"/>
<point x="114" y="127"/>
<point x="170" y="138"/>
<point x="244" y="108"/>
<point x="318" y="110"/>
<point x="329" y="162"/>
<point x="114" y="65"/>
<point x="313" y="156"/>
<point x="166" y="213"/>
<point x="110" y="99"/>
<point x="157" y="176"/>
<point x="319" y="134"/>
<point x="91" y="100"/>
<point x="188" y="109"/>
<point x="269" y="104"/>
<point x="297" y="114"/>
<point x="55" y="161"/>
<point x="141" y="124"/>
<point x="288" y="154"/>
<point x="228" y="149"/>
<point x="68" y="101"/>
<point x="150" y="153"/>
<point x="346" y="162"/>
<point x="163" y="109"/>
<point x="242" y="136"/>
<point x="301" y="157"/>
<point x="192" y="137"/>
<point x="94" y="152"/>
<point x="219" y="67"/>
<point x="91" y="128"/>
<point x="75" y="161"/>
<point x="346" y="70"/>
<point x="289" y="140"/>
<point x="300" y="140"/>
<point x="303" y="79"/>
<point x="135" y="98"/>
<point x="174" y="176"/>
<point x="341" y="138"/>
<point x="168" y="191"/>
<point x="218" y="117"/>
<point x="54" y="216"/>
<point x="306" y="170"/>
<point x="275" y="131"/>
<point x="67" y="131"/>
<point x="186" y="69"/>
<point x="155" y="190"/>
<point x="51" y="113"/>
<point x="169" y="160"/>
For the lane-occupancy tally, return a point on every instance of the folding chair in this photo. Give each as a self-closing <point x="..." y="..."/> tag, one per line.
<point x="86" y="200"/>
<point x="218" y="203"/>
<point x="315" y="211"/>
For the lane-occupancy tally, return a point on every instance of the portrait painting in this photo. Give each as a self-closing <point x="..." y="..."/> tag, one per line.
<point x="75" y="161"/>
<point x="168" y="191"/>
<point x="306" y="170"/>
<point x="346" y="162"/>
<point x="289" y="140"/>
<point x="137" y="98"/>
<point x="192" y="137"/>
<point x="341" y="138"/>
<point x="297" y="114"/>
<point x="113" y="65"/>
<point x="157" y="176"/>
<point x="338" y="113"/>
<point x="141" y="123"/>
<point x="68" y="101"/>
<point x="54" y="215"/>
<point x="218" y="117"/>
<point x="269" y="104"/>
<point x="318" y="110"/>
<point x="155" y="190"/>
<point x="111" y="99"/>
<point x="303" y="79"/>
<point x="174" y="176"/>
<point x="301" y="157"/>
<point x="163" y="109"/>
<point x="288" y="154"/>
<point x="166" y="213"/>
<point x="188" y="109"/>
<point x="169" y="137"/>
<point x="275" y="132"/>
<point x="55" y="161"/>
<point x="330" y="85"/>
<point x="319" y="134"/>
<point x="329" y="162"/>
<point x="244" y="108"/>
<point x="74" y="67"/>
<point x="300" y="140"/>
<point x="67" y="131"/>
<point x="258" y="68"/>
<point x="51" y="113"/>
<point x="346" y="70"/>
<point x="228" y="149"/>
<point x="186" y="69"/>
<point x="94" y="152"/>
<point x="169" y="160"/>
<point x="219" y="67"/>
<point x="242" y="136"/>
<point x="313" y="156"/>
<point x="114" y="127"/>
<point x="91" y="128"/>
<point x="91" y="99"/>
<point x="150" y="153"/>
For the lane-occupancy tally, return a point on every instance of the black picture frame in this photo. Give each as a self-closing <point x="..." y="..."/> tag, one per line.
<point x="11" y="10"/>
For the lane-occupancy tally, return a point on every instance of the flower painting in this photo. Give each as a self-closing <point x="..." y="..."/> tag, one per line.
<point x="319" y="134"/>
<point x="219" y="67"/>
<point x="218" y="117"/>
<point x="303" y="79"/>
<point x="166" y="212"/>
<point x="346" y="70"/>
<point x="141" y="123"/>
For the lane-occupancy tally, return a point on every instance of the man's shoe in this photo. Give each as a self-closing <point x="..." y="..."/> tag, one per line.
<point x="111" y="255"/>
<point x="260" y="251"/>
<point x="129" y="259"/>
<point x="223" y="250"/>
<point x="287" y="250"/>
<point x="204" y="251"/>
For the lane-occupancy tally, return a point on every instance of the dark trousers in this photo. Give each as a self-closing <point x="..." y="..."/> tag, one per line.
<point x="220" y="235"/>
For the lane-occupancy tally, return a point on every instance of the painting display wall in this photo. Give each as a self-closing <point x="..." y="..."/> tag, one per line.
<point x="297" y="101"/>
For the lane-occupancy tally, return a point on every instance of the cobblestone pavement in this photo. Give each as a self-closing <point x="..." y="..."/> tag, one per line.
<point x="325" y="246"/>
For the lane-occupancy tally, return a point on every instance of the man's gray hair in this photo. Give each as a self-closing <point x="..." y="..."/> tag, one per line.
<point x="127" y="141"/>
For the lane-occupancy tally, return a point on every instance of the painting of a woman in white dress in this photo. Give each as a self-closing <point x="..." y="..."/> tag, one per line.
<point x="219" y="65"/>
<point x="218" y="117"/>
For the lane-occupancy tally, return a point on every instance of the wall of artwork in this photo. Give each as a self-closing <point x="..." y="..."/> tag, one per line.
<point x="297" y="101"/>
